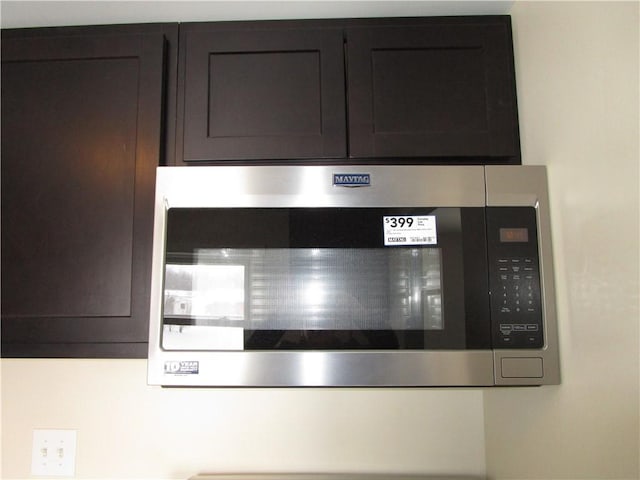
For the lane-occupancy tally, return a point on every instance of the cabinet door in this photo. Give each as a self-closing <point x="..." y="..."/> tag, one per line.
<point x="437" y="90"/>
<point x="261" y="94"/>
<point x="81" y="133"/>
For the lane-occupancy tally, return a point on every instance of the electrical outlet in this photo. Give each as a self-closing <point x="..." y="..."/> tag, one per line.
<point x="54" y="453"/>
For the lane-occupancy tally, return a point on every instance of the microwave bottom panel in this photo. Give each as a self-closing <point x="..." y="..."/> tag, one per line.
<point x="342" y="369"/>
<point x="325" y="369"/>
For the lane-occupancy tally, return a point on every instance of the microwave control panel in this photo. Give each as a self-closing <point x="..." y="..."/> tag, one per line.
<point x="514" y="278"/>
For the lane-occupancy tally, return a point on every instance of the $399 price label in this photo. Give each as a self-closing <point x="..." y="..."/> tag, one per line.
<point x="410" y="230"/>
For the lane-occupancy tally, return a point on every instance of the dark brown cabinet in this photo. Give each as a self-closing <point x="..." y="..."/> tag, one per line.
<point x="81" y="137"/>
<point x="438" y="89"/>
<point x="261" y="92"/>
<point x="444" y="90"/>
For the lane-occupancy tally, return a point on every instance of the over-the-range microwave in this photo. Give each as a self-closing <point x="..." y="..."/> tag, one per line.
<point x="335" y="276"/>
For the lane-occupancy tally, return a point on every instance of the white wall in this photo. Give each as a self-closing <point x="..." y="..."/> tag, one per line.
<point x="577" y="74"/>
<point x="16" y="14"/>
<point x="129" y="430"/>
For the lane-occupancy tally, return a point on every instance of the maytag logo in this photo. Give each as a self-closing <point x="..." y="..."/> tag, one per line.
<point x="351" y="179"/>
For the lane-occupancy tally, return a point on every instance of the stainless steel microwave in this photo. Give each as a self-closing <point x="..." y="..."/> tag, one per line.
<point x="332" y="276"/>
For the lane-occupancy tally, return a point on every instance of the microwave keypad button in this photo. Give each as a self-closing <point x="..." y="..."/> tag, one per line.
<point x="517" y="286"/>
<point x="516" y="292"/>
<point x="506" y="328"/>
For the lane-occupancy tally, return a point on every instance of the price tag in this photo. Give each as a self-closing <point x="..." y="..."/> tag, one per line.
<point x="410" y="230"/>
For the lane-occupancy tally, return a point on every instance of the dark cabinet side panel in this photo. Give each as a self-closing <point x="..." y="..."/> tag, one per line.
<point x="261" y="94"/>
<point x="438" y="90"/>
<point x="81" y="137"/>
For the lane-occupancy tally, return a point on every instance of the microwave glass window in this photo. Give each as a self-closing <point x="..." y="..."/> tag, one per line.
<point x="204" y="291"/>
<point x="203" y="306"/>
<point x="210" y="303"/>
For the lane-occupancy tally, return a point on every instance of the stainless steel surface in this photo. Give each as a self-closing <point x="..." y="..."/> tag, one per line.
<point x="331" y="368"/>
<point x="527" y="186"/>
<point x="312" y="187"/>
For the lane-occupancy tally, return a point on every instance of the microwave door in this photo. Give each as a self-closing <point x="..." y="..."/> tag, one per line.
<point x="325" y="279"/>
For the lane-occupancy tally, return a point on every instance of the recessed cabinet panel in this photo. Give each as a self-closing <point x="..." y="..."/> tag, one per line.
<point x="67" y="207"/>
<point x="438" y="90"/>
<point x="262" y="94"/>
<point x="289" y="105"/>
<point x="81" y="136"/>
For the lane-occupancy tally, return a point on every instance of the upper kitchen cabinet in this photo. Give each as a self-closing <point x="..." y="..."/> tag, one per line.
<point x="254" y="91"/>
<point x="441" y="88"/>
<point x="433" y="89"/>
<point x="82" y="125"/>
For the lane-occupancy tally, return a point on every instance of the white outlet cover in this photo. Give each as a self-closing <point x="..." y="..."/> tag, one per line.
<point x="54" y="453"/>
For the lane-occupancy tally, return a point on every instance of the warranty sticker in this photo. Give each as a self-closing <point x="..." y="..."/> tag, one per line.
<point x="181" y="367"/>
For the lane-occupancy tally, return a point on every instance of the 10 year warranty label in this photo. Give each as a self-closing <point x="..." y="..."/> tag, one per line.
<point x="410" y="230"/>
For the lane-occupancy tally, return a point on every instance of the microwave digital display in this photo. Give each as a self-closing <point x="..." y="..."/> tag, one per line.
<point x="514" y="235"/>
